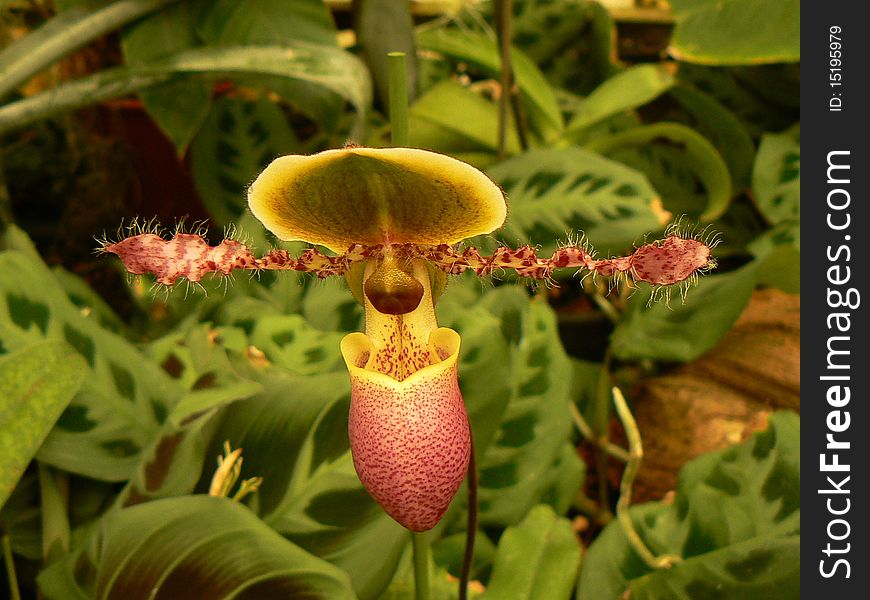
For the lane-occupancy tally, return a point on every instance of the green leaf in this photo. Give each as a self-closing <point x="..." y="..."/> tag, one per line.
<point x="88" y="301"/>
<point x="537" y="559"/>
<point x="217" y="547"/>
<point x="442" y="585"/>
<point x="776" y="177"/>
<point x="21" y="515"/>
<point x="178" y="107"/>
<point x="695" y="152"/>
<point x="536" y="424"/>
<point x="312" y="494"/>
<point x="324" y="66"/>
<point x="290" y="342"/>
<point x="571" y="42"/>
<point x="716" y="32"/>
<point x="384" y="26"/>
<point x="328" y="305"/>
<point x="266" y="22"/>
<point x="118" y="408"/>
<point x="484" y="364"/>
<point x="469" y="128"/>
<point x="735" y="522"/>
<point x="626" y="90"/>
<point x="276" y="22"/>
<point x="779" y="252"/>
<point x="719" y="125"/>
<point x="480" y="51"/>
<point x="65" y="33"/>
<point x="237" y="141"/>
<point x="670" y="331"/>
<point x="556" y="192"/>
<point x="762" y="97"/>
<point x="36" y="384"/>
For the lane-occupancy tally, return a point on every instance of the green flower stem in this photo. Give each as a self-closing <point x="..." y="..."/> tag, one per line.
<point x="398" y="99"/>
<point x="601" y="429"/>
<point x="471" y="529"/>
<point x="420" y="541"/>
<point x="586" y="431"/>
<point x="64" y="34"/>
<point x="504" y="12"/>
<point x="14" y="594"/>
<point x="625" y="486"/>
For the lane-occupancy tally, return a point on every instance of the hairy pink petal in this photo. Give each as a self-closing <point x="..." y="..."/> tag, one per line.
<point x="185" y="255"/>
<point x="672" y="261"/>
<point x="664" y="262"/>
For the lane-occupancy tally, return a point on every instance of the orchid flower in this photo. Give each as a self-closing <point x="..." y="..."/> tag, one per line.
<point x="394" y="219"/>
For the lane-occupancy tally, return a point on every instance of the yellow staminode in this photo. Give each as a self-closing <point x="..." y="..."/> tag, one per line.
<point x="371" y="196"/>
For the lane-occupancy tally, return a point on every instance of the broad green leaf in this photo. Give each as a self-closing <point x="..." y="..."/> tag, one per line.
<point x="449" y="552"/>
<point x="311" y="494"/>
<point x="735" y="522"/>
<point x="21" y="515"/>
<point x="470" y="126"/>
<point x="384" y="26"/>
<point x="442" y="585"/>
<point x="695" y="152"/>
<point x="571" y="42"/>
<point x="748" y="92"/>
<point x="277" y="22"/>
<point x="736" y="32"/>
<point x="172" y="464"/>
<point x="324" y="66"/>
<point x="328" y="305"/>
<point x="778" y="251"/>
<point x="118" y="408"/>
<point x="238" y="139"/>
<point x="266" y="22"/>
<point x="626" y="90"/>
<point x="65" y="33"/>
<point x="537" y="558"/>
<point x="719" y="125"/>
<point x="484" y="365"/>
<point x="480" y="51"/>
<point x="178" y="107"/>
<point x="557" y="192"/>
<point x="36" y="384"/>
<point x="536" y="424"/>
<point x="88" y="301"/>
<point x="776" y="177"/>
<point x="166" y="548"/>
<point x="566" y="477"/>
<point x="291" y="343"/>
<point x="682" y="331"/>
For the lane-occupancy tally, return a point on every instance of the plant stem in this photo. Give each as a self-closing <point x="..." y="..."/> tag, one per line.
<point x="64" y="34"/>
<point x="605" y="305"/>
<point x="601" y="431"/>
<point x="504" y="12"/>
<point x="586" y="431"/>
<point x="625" y="487"/>
<point x="420" y="541"/>
<point x="14" y="594"/>
<point x="398" y="99"/>
<point x="471" y="526"/>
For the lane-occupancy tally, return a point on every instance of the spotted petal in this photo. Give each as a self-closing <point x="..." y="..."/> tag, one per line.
<point x="410" y="439"/>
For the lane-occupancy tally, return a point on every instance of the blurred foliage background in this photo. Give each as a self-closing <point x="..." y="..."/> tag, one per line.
<point x="115" y="401"/>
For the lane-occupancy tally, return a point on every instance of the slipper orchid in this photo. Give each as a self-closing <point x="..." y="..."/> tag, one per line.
<point x="409" y="432"/>
<point x="393" y="217"/>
